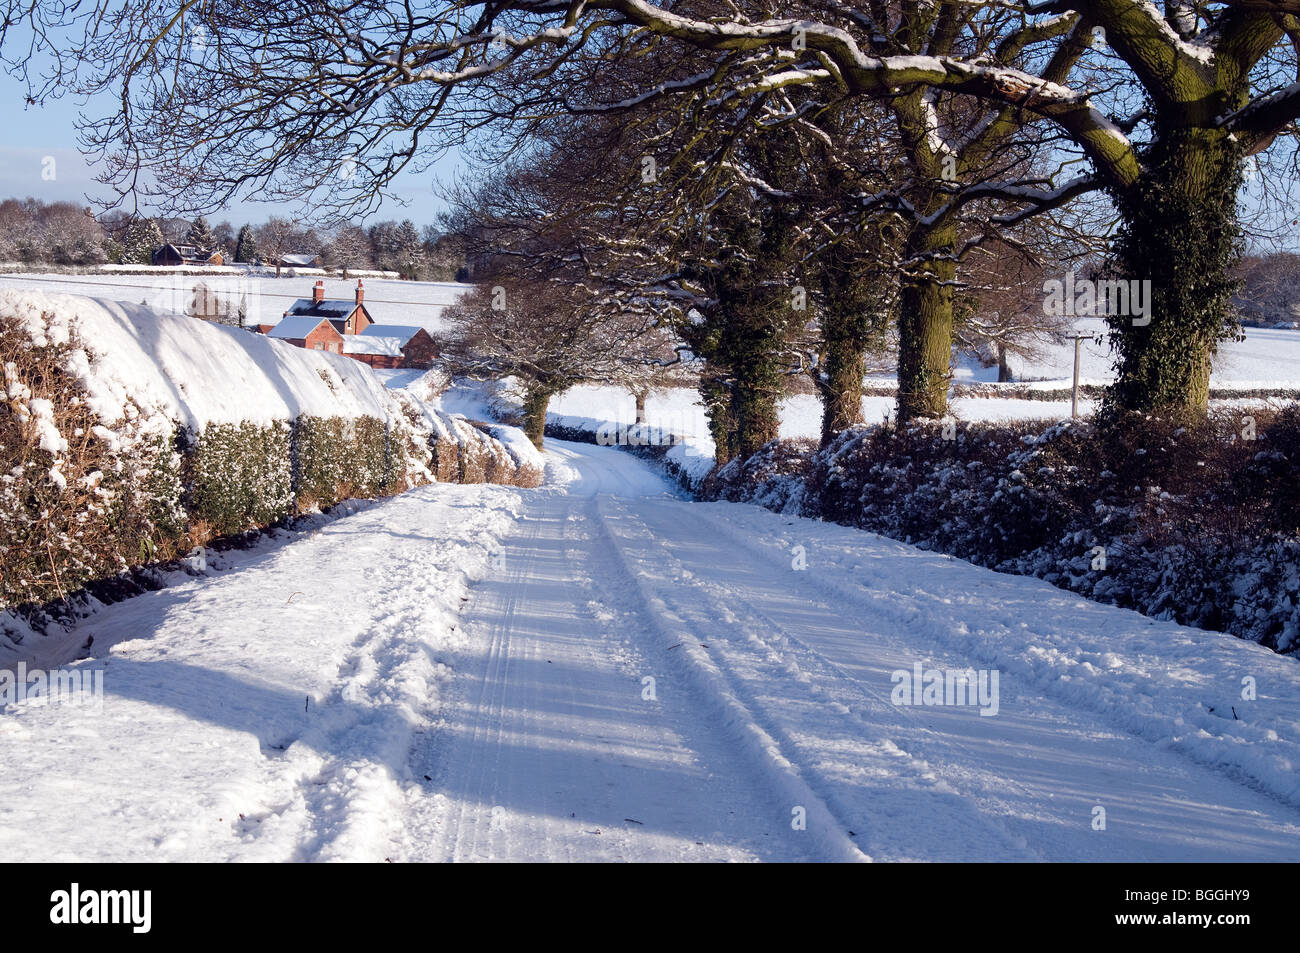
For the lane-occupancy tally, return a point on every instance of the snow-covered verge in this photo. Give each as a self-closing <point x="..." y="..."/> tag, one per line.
<point x="1194" y="526"/>
<point x="530" y="461"/>
<point x="465" y="449"/>
<point x="1222" y="701"/>
<point x="130" y="437"/>
<point x="464" y="452"/>
<point x="264" y="713"/>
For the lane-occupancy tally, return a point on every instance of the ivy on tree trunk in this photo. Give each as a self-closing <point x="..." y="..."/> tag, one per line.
<point x="1180" y="232"/>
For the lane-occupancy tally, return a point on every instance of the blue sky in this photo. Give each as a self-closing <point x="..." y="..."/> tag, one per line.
<point x="32" y="133"/>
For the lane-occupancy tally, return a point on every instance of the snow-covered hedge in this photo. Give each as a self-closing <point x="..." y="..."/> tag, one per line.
<point x="687" y="461"/>
<point x="129" y="437"/>
<point x="335" y="458"/>
<point x="464" y="452"/>
<point x="237" y="477"/>
<point x="1200" y="526"/>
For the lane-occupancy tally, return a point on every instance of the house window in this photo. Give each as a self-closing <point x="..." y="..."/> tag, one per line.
<point x="318" y="346"/>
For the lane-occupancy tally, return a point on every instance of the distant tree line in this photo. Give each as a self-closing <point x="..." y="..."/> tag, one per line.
<point x="61" y="233"/>
<point x="65" y="233"/>
<point x="1270" y="289"/>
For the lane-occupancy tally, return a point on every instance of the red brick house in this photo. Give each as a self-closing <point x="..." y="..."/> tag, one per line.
<point x="312" y="333"/>
<point x="348" y="317"/>
<point x="346" y="327"/>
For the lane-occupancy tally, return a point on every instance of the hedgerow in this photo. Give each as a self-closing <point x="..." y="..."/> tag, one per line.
<point x="84" y="499"/>
<point x="335" y="459"/>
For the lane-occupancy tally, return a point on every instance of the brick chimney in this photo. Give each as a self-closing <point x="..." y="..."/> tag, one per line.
<point x="361" y="292"/>
<point x="318" y="293"/>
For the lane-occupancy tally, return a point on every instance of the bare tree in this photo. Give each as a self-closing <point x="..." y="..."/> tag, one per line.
<point x="349" y="249"/>
<point x="1005" y="316"/>
<point x="1270" y="288"/>
<point x="61" y="233"/>
<point x="545" y="335"/>
<point x="275" y="238"/>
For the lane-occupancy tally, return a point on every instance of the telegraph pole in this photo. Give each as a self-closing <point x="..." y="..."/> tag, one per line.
<point x="1074" y="389"/>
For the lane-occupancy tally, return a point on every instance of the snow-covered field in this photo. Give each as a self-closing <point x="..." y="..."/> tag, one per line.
<point x="1267" y="358"/>
<point x="600" y="670"/>
<point x="389" y="301"/>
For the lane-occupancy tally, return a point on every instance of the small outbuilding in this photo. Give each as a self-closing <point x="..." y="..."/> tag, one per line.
<point x="300" y="261"/>
<point x="417" y="345"/>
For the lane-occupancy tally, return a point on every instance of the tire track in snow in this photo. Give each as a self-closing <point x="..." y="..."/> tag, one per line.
<point x="1154" y="788"/>
<point x="785" y="778"/>
<point x="550" y="751"/>
<point x="798" y="666"/>
<point x="894" y="773"/>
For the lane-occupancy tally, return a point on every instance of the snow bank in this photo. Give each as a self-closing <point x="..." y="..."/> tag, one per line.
<point x="133" y="437"/>
<point x="519" y="446"/>
<point x="194" y="372"/>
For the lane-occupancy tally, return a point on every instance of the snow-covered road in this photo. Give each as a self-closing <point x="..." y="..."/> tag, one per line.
<point x="599" y="670"/>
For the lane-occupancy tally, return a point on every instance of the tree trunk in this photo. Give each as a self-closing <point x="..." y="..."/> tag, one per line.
<point x="715" y="394"/>
<point x="744" y="336"/>
<point x="925" y="327"/>
<point x="535" y="401"/>
<point x="1179" y="236"/>
<point x="742" y="415"/>
<point x="1004" y="365"/>
<point x="842" y="388"/>
<point x="744" y="385"/>
<point x="853" y="323"/>
<point x="758" y="420"/>
<point x="640" y="405"/>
